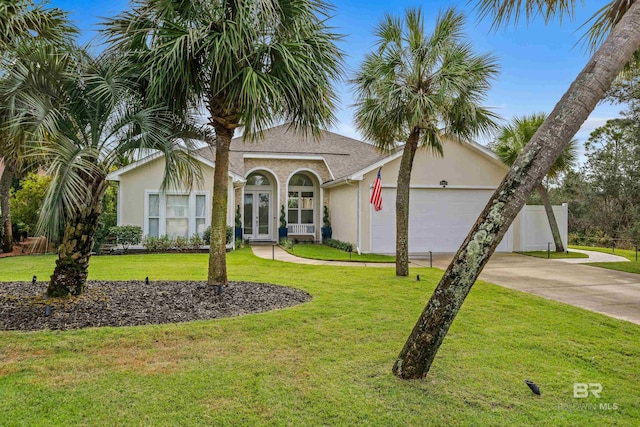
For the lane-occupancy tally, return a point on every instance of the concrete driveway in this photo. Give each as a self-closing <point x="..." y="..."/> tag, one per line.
<point x="610" y="292"/>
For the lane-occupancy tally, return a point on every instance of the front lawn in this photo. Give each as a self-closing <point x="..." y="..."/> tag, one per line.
<point x="326" y="362"/>
<point x="554" y="255"/>
<point x="630" y="267"/>
<point x="327" y="253"/>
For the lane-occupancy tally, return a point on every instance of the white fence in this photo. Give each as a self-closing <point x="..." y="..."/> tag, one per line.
<point x="535" y="233"/>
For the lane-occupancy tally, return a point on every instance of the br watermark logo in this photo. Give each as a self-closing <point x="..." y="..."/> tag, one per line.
<point x="584" y="391"/>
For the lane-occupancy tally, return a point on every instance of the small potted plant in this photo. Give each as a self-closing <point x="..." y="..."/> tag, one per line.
<point x="238" y="224"/>
<point x="283" y="231"/>
<point x="326" y="225"/>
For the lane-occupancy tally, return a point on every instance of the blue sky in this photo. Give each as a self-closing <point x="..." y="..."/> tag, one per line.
<point x="538" y="62"/>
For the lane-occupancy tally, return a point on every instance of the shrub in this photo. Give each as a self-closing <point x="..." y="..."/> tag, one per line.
<point x="339" y="244"/>
<point x="238" y="222"/>
<point x="181" y="243"/>
<point x="285" y="243"/>
<point x="126" y="235"/>
<point x="26" y="202"/>
<point x="206" y="236"/>
<point x="109" y="215"/>
<point x="195" y="242"/>
<point x="283" y="217"/>
<point x="326" y="222"/>
<point x="151" y="244"/>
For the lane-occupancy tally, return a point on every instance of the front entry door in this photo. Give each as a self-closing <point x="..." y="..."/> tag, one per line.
<point x="257" y="214"/>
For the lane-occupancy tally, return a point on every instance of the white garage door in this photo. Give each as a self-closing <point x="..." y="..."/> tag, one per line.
<point x="439" y="220"/>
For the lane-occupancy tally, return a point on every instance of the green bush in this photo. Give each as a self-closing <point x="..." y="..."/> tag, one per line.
<point x="339" y="244"/>
<point x="195" y="242"/>
<point x="108" y="218"/>
<point x="181" y="243"/>
<point x="206" y="236"/>
<point x="285" y="243"/>
<point x="229" y="234"/>
<point x="126" y="235"/>
<point x="151" y="244"/>
<point x="26" y="202"/>
<point x="238" y="221"/>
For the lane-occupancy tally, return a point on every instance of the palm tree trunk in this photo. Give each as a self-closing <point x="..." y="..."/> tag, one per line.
<point x="418" y="353"/>
<point x="5" y="195"/>
<point x="402" y="203"/>
<point x="555" y="231"/>
<point x="217" y="247"/>
<point x="70" y="275"/>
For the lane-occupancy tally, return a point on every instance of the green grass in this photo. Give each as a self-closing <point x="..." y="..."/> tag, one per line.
<point x="554" y="255"/>
<point x="630" y="267"/>
<point x="326" y="362"/>
<point x="327" y="253"/>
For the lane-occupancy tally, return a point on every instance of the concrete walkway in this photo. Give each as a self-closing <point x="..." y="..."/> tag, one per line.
<point x="610" y="292"/>
<point x="593" y="257"/>
<point x="279" y="254"/>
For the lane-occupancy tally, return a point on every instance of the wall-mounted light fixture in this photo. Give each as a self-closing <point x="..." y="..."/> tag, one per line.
<point x="444" y="183"/>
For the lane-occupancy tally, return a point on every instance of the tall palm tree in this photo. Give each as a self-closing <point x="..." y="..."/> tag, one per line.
<point x="417" y="87"/>
<point x="531" y="166"/>
<point x="249" y="64"/>
<point x="83" y="118"/>
<point x="512" y="139"/>
<point x="21" y="21"/>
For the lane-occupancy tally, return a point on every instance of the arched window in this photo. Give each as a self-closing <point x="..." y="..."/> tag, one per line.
<point x="301" y="200"/>
<point x="258" y="179"/>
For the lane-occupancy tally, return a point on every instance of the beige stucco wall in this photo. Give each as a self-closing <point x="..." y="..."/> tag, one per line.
<point x="148" y="177"/>
<point x="343" y="213"/>
<point x="461" y="166"/>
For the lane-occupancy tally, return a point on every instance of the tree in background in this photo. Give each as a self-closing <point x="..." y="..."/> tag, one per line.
<point x="604" y="196"/>
<point x="82" y="117"/>
<point x="21" y="21"/>
<point x="249" y="64"/>
<point x="26" y="202"/>
<point x="512" y="139"/>
<point x="417" y="88"/>
<point x="612" y="171"/>
<point x="532" y="165"/>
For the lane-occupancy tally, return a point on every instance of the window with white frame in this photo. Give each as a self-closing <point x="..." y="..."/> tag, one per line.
<point x="176" y="214"/>
<point x="301" y="200"/>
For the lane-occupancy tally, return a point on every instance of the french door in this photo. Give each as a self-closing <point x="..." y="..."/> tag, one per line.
<point x="257" y="215"/>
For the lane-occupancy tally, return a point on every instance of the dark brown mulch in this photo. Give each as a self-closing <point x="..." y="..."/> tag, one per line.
<point x="23" y="307"/>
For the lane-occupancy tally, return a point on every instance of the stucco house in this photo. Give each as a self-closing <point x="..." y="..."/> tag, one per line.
<point x="304" y="175"/>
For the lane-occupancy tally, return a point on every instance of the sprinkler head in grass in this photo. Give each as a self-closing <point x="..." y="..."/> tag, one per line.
<point x="146" y="280"/>
<point x="534" y="388"/>
<point x="47" y="311"/>
<point x="33" y="281"/>
<point x="418" y="277"/>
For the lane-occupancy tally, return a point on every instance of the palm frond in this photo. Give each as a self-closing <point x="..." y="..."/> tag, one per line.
<point x="433" y="82"/>
<point x="504" y="12"/>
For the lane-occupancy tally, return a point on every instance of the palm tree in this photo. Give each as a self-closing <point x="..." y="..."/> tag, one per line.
<point x="418" y="87"/>
<point x="511" y="141"/>
<point x="249" y="64"/>
<point x="531" y="166"/>
<point x="84" y="118"/>
<point x="21" y="21"/>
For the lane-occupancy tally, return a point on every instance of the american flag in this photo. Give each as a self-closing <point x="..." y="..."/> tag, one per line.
<point x="376" y="196"/>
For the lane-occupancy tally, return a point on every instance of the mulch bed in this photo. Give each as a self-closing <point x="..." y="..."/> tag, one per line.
<point x="129" y="303"/>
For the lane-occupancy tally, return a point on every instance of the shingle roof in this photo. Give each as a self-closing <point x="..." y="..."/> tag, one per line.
<point x="343" y="155"/>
